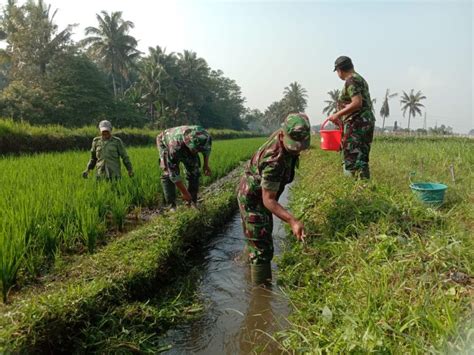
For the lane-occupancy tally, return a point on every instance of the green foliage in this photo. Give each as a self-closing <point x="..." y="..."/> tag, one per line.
<point x="376" y="272"/>
<point x="112" y="46"/>
<point x="78" y="91"/>
<point x="385" y="109"/>
<point x="50" y="81"/>
<point x="294" y="100"/>
<point x="332" y="103"/>
<point x="412" y="103"/>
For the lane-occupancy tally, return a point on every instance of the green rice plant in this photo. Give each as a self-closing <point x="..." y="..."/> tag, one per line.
<point x="47" y="208"/>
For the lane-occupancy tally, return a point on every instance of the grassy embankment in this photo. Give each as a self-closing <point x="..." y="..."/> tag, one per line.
<point x="382" y="272"/>
<point x="23" y="138"/>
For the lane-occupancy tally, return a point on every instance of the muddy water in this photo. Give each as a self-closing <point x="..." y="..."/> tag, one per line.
<point x="239" y="316"/>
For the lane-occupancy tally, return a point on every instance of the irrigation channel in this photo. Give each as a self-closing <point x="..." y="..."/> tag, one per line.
<point x="239" y="317"/>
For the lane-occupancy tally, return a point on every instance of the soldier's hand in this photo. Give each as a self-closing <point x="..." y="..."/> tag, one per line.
<point x="334" y="118"/>
<point x="207" y="171"/>
<point x="131" y="173"/>
<point x="85" y="174"/>
<point x="298" y="229"/>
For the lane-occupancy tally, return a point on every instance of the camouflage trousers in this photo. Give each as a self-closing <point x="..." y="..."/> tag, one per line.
<point x="192" y="165"/>
<point x="356" y="143"/>
<point x="257" y="223"/>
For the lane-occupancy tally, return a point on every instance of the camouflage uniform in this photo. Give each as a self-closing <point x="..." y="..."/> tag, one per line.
<point x="358" y="128"/>
<point x="105" y="156"/>
<point x="181" y="145"/>
<point x="272" y="167"/>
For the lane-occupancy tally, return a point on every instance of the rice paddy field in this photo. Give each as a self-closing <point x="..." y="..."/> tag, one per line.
<point x="382" y="272"/>
<point x="48" y="210"/>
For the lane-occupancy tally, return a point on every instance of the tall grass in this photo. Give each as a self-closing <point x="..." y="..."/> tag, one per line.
<point x="47" y="209"/>
<point x="376" y="273"/>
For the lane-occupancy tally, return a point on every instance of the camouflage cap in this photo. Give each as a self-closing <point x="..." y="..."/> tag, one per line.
<point x="105" y="126"/>
<point x="342" y="61"/>
<point x="199" y="140"/>
<point x="297" y="132"/>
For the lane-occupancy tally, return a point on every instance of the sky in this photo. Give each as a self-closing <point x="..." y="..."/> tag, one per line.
<point x="265" y="45"/>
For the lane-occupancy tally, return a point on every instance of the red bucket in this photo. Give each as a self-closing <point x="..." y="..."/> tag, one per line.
<point x="330" y="139"/>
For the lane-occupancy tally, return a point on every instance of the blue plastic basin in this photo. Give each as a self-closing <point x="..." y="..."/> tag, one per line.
<point x="429" y="192"/>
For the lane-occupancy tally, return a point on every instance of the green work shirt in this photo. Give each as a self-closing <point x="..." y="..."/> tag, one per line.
<point x="353" y="86"/>
<point x="105" y="156"/>
<point x="271" y="168"/>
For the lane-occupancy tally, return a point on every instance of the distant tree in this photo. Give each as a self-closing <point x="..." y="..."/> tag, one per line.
<point x="295" y="98"/>
<point x="32" y="39"/>
<point x="78" y="91"/>
<point x="331" y="104"/>
<point x="254" y="120"/>
<point x="112" y="46"/>
<point x="274" y="115"/>
<point x="385" y="109"/>
<point x="411" y="103"/>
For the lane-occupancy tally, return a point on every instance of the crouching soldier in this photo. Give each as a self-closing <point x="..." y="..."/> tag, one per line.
<point x="182" y="145"/>
<point x="267" y="173"/>
<point x="106" y="152"/>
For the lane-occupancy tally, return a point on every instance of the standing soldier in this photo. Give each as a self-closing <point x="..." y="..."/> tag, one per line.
<point x="106" y="152"/>
<point x="357" y="115"/>
<point x="182" y="145"/>
<point x="267" y="173"/>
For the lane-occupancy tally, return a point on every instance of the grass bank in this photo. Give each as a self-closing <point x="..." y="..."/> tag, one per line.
<point x="49" y="318"/>
<point x="23" y="138"/>
<point x="382" y="272"/>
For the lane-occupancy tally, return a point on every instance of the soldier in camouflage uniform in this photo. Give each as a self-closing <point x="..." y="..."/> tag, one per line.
<point x="266" y="174"/>
<point x="106" y="152"/>
<point x="356" y="113"/>
<point x="182" y="145"/>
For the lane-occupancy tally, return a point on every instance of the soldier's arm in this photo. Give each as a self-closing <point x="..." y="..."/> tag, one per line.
<point x="125" y="158"/>
<point x="270" y="202"/>
<point x="93" y="158"/>
<point x="353" y="106"/>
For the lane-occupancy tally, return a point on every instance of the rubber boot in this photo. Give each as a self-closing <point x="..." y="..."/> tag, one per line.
<point x="261" y="273"/>
<point x="169" y="191"/>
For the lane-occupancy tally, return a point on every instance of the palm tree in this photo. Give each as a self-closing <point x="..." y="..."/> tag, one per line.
<point x="385" y="109"/>
<point x="111" y="44"/>
<point x="295" y="98"/>
<point x="331" y="104"/>
<point x="412" y="103"/>
<point x="192" y="82"/>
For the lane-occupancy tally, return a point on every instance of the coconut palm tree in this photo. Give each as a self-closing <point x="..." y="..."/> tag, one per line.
<point x="295" y="97"/>
<point x="385" y="109"/>
<point x="331" y="104"/>
<point x="411" y="102"/>
<point x="112" y="46"/>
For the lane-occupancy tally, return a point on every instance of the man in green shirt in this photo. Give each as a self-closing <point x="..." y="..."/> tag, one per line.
<point x="356" y="113"/>
<point x="106" y="152"/>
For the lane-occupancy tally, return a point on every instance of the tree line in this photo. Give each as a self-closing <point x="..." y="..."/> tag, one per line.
<point x="47" y="78"/>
